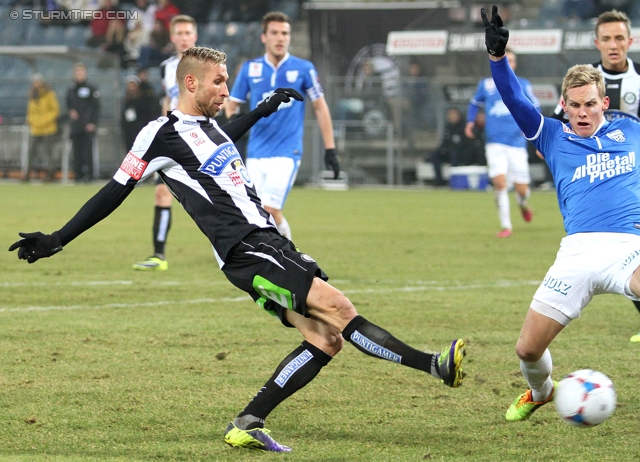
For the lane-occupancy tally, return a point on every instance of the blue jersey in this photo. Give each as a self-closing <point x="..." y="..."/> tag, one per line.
<point x="280" y="134"/>
<point x="500" y="126"/>
<point x="597" y="178"/>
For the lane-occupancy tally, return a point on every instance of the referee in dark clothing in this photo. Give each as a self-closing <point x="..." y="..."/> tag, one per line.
<point x="199" y="162"/>
<point x="83" y="105"/>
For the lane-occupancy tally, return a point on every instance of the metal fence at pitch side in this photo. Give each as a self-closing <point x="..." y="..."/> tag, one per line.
<point x="108" y="152"/>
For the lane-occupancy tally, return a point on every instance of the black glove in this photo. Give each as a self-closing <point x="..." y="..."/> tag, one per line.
<point x="331" y="162"/>
<point x="495" y="36"/>
<point x="34" y="246"/>
<point x="273" y="101"/>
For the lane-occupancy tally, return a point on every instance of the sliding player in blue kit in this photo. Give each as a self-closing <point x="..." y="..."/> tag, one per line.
<point x="597" y="179"/>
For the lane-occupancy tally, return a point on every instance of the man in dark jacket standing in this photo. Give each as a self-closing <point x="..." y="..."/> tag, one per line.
<point x="83" y="105"/>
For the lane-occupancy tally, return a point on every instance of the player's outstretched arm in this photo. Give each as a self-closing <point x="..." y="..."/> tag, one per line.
<point x="34" y="246"/>
<point x="238" y="127"/>
<point x="521" y="108"/>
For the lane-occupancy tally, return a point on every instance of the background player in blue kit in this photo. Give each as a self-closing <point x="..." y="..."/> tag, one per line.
<point x="597" y="179"/>
<point x="506" y="148"/>
<point x="275" y="146"/>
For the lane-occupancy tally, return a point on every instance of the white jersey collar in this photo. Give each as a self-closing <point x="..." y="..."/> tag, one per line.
<point x="266" y="59"/>
<point x="604" y="121"/>
<point x="181" y="115"/>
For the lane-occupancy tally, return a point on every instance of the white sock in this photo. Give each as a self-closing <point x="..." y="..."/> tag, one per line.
<point x="284" y="229"/>
<point x="522" y="200"/>
<point x="538" y="375"/>
<point x="502" y="202"/>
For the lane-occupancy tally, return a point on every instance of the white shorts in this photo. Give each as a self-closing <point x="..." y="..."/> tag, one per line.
<point x="587" y="264"/>
<point x="507" y="160"/>
<point x="273" y="178"/>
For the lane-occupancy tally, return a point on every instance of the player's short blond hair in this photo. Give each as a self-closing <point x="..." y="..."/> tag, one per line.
<point x="581" y="75"/>
<point x="194" y="60"/>
<point x="614" y="16"/>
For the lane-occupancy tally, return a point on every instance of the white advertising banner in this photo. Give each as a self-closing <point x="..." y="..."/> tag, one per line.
<point x="547" y="94"/>
<point x="635" y="35"/>
<point x="539" y="41"/>
<point x="417" y="42"/>
<point x="534" y="41"/>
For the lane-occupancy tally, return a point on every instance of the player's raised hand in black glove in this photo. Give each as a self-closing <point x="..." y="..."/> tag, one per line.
<point x="273" y="101"/>
<point x="331" y="162"/>
<point x="495" y="35"/>
<point x="34" y="246"/>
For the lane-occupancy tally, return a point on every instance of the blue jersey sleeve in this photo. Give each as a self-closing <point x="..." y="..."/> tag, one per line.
<point x="521" y="108"/>
<point x="311" y="82"/>
<point x="240" y="88"/>
<point x="476" y="103"/>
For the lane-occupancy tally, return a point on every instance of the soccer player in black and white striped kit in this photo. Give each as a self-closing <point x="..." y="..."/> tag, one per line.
<point x="621" y="75"/>
<point x="199" y="162"/>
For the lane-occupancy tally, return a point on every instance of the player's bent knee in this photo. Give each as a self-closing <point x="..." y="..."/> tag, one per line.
<point x="333" y="343"/>
<point x="345" y="309"/>
<point x="527" y="353"/>
<point x="330" y="341"/>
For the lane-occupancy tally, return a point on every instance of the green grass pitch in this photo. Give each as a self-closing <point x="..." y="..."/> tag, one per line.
<point x="99" y="362"/>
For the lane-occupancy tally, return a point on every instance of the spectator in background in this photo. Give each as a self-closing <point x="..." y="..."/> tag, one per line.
<point x="42" y="116"/>
<point x="148" y="94"/>
<point x="146" y="14"/>
<point x="416" y="101"/>
<point x="474" y="149"/>
<point x="165" y="11"/>
<point x="135" y="111"/>
<point x="83" y="106"/>
<point x="159" y="48"/>
<point x="136" y="38"/>
<point x="451" y="149"/>
<point x="108" y="31"/>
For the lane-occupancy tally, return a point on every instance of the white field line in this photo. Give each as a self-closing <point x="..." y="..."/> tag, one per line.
<point x="430" y="285"/>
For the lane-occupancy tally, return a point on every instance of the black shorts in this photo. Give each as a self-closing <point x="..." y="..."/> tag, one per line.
<point x="269" y="268"/>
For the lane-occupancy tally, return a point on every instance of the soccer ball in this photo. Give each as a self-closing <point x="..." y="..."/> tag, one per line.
<point x="585" y="398"/>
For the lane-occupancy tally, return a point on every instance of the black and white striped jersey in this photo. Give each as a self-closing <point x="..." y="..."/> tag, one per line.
<point x="203" y="169"/>
<point x="168" y="69"/>
<point x="623" y="90"/>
